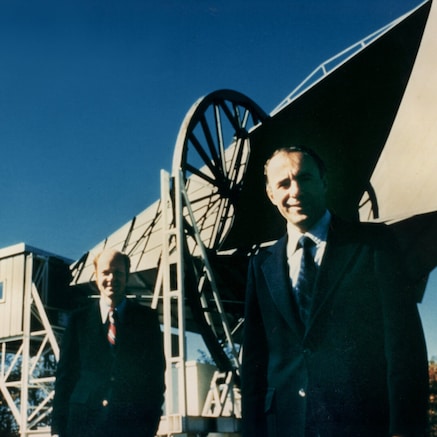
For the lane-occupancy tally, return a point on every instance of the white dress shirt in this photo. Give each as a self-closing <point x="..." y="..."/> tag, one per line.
<point x="318" y="233"/>
<point x="104" y="309"/>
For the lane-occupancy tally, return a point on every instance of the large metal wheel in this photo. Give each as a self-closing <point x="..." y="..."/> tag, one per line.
<point x="212" y="150"/>
<point x="211" y="155"/>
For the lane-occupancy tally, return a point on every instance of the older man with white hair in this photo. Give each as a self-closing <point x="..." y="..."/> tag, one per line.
<point x="110" y="376"/>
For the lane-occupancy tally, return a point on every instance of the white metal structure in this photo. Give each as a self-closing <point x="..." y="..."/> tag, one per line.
<point x="177" y="419"/>
<point x="29" y="347"/>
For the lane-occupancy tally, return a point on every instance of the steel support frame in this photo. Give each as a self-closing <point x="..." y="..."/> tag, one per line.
<point x="175" y="211"/>
<point x="29" y="349"/>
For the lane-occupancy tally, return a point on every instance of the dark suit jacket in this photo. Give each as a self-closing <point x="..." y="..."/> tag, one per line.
<point x="101" y="391"/>
<point x="360" y="366"/>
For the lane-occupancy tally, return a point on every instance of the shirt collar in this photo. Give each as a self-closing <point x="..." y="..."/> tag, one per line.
<point x="104" y="309"/>
<point x="318" y="233"/>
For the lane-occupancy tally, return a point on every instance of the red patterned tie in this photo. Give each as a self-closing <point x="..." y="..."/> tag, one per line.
<point x="112" y="331"/>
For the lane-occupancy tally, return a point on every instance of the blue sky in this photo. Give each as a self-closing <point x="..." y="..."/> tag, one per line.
<point x="92" y="94"/>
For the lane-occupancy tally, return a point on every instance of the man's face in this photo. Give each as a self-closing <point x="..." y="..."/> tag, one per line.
<point x="111" y="277"/>
<point x="296" y="188"/>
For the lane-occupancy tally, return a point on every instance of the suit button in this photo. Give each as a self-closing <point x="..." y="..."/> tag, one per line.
<point x="112" y="378"/>
<point x="302" y="393"/>
<point x="105" y="402"/>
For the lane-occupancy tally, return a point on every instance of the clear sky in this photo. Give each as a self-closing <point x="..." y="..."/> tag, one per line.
<point x="92" y="94"/>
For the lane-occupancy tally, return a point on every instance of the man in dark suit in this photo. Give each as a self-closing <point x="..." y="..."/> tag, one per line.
<point x="345" y="356"/>
<point x="110" y="378"/>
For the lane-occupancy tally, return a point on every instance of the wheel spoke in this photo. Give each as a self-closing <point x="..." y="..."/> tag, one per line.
<point x="232" y="117"/>
<point x="210" y="142"/>
<point x="200" y="174"/>
<point x="203" y="155"/>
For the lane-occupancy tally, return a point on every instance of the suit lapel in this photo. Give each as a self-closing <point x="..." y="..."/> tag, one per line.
<point x="96" y="329"/>
<point x="341" y="251"/>
<point x="125" y="326"/>
<point x="275" y="271"/>
<point x="130" y="328"/>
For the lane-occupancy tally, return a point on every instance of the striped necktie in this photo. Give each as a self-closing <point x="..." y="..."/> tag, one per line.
<point x="112" y="330"/>
<point x="305" y="281"/>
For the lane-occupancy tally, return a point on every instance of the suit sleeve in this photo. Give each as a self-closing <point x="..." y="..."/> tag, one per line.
<point x="66" y="376"/>
<point x="254" y="364"/>
<point x="159" y="358"/>
<point x="407" y="367"/>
